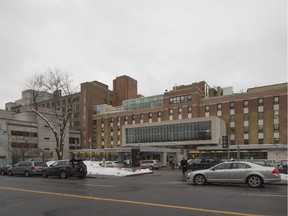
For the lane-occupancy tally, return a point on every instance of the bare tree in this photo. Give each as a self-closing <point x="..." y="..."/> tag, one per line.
<point x="51" y="86"/>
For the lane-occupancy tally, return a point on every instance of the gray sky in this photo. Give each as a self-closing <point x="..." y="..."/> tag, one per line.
<point x="160" y="43"/>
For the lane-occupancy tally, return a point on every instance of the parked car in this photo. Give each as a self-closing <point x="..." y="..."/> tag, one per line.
<point x="27" y="168"/>
<point x="65" y="168"/>
<point x="236" y="172"/>
<point x="108" y="164"/>
<point x="282" y="166"/>
<point x="151" y="164"/>
<point x="4" y="169"/>
<point x="206" y="163"/>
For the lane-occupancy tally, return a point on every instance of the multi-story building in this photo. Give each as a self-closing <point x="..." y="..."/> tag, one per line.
<point x="80" y="104"/>
<point x="23" y="135"/>
<point x="195" y="118"/>
<point x="189" y="120"/>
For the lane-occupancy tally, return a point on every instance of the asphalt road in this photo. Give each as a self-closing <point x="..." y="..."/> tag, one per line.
<point x="165" y="192"/>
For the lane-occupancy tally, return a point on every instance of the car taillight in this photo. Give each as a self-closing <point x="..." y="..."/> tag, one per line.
<point x="275" y="171"/>
<point x="33" y="168"/>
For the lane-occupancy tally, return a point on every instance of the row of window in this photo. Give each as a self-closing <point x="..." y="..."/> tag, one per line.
<point x="260" y="116"/>
<point x="180" y="99"/>
<point x="245" y="104"/>
<point x="166" y="133"/>
<point x="23" y="133"/>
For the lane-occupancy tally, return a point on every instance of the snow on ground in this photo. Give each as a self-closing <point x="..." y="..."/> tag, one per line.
<point x="93" y="168"/>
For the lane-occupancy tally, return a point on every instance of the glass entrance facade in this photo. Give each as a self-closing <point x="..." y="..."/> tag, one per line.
<point x="170" y="132"/>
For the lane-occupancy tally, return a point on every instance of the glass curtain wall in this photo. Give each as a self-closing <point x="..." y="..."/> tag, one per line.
<point x="168" y="133"/>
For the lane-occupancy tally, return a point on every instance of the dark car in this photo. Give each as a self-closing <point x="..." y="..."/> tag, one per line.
<point x="27" y="168"/>
<point x="199" y="164"/>
<point x="4" y="169"/>
<point x="65" y="168"/>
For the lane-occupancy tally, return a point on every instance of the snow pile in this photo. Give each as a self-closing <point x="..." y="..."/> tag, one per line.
<point x="284" y="178"/>
<point x="94" y="168"/>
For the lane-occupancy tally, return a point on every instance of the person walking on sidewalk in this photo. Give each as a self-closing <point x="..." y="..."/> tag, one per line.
<point x="184" y="165"/>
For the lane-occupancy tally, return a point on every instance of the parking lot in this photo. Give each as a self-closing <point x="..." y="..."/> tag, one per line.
<point x="164" y="192"/>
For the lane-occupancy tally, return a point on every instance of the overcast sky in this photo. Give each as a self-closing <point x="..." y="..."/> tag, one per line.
<point x="160" y="43"/>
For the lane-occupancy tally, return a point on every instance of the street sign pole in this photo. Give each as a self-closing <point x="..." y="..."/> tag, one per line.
<point x="226" y="145"/>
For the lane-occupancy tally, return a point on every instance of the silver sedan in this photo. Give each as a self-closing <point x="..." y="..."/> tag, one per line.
<point x="236" y="172"/>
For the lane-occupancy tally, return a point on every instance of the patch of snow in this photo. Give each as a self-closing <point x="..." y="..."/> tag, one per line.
<point x="94" y="168"/>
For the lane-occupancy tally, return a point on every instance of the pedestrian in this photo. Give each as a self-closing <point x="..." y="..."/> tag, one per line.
<point x="172" y="163"/>
<point x="184" y="165"/>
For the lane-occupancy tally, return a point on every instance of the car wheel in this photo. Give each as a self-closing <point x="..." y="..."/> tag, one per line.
<point x="2" y="172"/>
<point x="82" y="176"/>
<point x="26" y="173"/>
<point x="200" y="179"/>
<point x="44" y="174"/>
<point x="254" y="181"/>
<point x="63" y="175"/>
<point x="10" y="173"/>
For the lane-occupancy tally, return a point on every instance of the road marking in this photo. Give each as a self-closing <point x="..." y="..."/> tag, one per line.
<point x="93" y="185"/>
<point x="266" y="195"/>
<point x="131" y="202"/>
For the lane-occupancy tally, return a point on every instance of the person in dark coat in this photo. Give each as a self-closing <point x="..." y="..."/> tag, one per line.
<point x="184" y="165"/>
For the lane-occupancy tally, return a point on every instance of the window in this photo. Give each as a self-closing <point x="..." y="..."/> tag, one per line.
<point x="219" y="107"/>
<point x="232" y="118"/>
<point x="76" y="124"/>
<point x="170" y="112"/>
<point x="246" y="117"/>
<point x="276" y="100"/>
<point x="232" y="131"/>
<point x="222" y="166"/>
<point x="180" y="99"/>
<point x="260" y="141"/>
<point x="246" y="141"/>
<point x="207" y="108"/>
<point x="260" y="102"/>
<point x="276" y="140"/>
<point x="179" y="110"/>
<point x="76" y="107"/>
<point x="141" y="116"/>
<point x="260" y="128"/>
<point x="240" y="166"/>
<point x="149" y="115"/>
<point x="232" y="105"/>
<point x="111" y="120"/>
<point x="276" y="128"/>
<point x="76" y="115"/>
<point x="126" y="118"/>
<point x="246" y="130"/>
<point x="190" y="109"/>
<point x="133" y="117"/>
<point x="159" y="114"/>
<point x="246" y="104"/>
<point x="260" y="115"/>
<point x="276" y="114"/>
